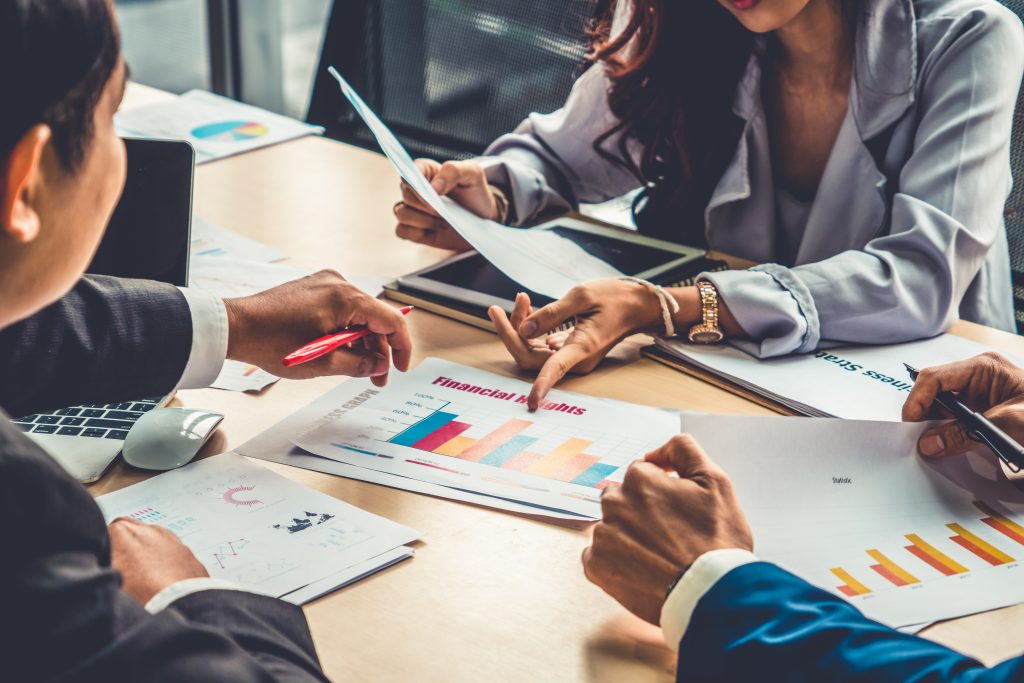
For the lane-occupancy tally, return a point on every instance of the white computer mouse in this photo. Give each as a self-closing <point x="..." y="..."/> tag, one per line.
<point x="165" y="438"/>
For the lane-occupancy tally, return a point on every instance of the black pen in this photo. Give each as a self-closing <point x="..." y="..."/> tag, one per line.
<point x="980" y="428"/>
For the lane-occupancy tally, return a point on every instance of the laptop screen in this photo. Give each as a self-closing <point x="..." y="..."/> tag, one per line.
<point x="149" y="233"/>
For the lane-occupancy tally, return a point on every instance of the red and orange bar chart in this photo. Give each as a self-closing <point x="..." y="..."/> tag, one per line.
<point x="850" y="587"/>
<point x="890" y="571"/>
<point x="506" y="448"/>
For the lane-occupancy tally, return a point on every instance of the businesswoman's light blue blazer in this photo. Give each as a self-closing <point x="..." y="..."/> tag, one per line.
<point x="905" y="234"/>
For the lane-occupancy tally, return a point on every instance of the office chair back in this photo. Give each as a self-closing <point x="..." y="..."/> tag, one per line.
<point x="1014" y="211"/>
<point x="449" y="76"/>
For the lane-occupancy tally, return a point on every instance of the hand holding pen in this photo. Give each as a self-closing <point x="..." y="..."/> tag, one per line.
<point x="984" y="395"/>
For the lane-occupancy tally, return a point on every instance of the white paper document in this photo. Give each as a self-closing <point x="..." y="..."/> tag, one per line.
<point x="852" y="508"/>
<point x="257" y="529"/>
<point x="349" y="576"/>
<point x="215" y="126"/>
<point x="238" y="376"/>
<point x="229" y="277"/>
<point x="209" y="240"/>
<point x="539" y="260"/>
<point x="853" y="382"/>
<point x="463" y="428"/>
<point x="275" y="445"/>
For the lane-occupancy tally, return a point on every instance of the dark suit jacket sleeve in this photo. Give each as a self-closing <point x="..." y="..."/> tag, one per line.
<point x="760" y="622"/>
<point x="65" y="618"/>
<point x="107" y="340"/>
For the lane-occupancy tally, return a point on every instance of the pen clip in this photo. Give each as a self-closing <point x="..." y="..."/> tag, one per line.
<point x="981" y="438"/>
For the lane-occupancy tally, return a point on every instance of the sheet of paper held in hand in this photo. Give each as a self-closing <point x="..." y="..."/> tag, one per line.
<point x="257" y="529"/>
<point x="537" y="259"/>
<point x="467" y="429"/>
<point x="852" y="508"/>
<point x="852" y="382"/>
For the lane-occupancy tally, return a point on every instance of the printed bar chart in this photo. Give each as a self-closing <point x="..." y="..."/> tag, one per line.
<point x="850" y="586"/>
<point x="891" y="571"/>
<point x="978" y="546"/>
<point x="508" y="450"/>
<point x="550" y="464"/>
<point x="441" y="436"/>
<point x="423" y="429"/>
<point x="494" y="440"/>
<point x="933" y="557"/>
<point x="1000" y="523"/>
<point x="505" y="447"/>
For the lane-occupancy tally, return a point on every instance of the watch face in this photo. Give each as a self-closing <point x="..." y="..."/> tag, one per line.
<point x="706" y="336"/>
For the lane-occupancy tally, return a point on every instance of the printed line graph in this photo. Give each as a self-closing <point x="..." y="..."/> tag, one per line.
<point x="224" y="552"/>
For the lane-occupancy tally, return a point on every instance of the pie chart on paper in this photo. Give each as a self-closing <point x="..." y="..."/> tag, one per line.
<point x="230" y="131"/>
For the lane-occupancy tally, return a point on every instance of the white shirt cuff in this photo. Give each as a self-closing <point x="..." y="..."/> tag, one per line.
<point x="209" y="339"/>
<point x="696" y="582"/>
<point x="177" y="591"/>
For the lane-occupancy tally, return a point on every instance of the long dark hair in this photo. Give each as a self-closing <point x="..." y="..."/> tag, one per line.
<point x="674" y="71"/>
<point x="56" y="57"/>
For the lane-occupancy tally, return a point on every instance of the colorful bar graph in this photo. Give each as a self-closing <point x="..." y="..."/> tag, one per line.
<point x="891" y="571"/>
<point x="455" y="446"/>
<point x="594" y="475"/>
<point x="556" y="459"/>
<point x="978" y="546"/>
<point x="574" y="467"/>
<point x="494" y="440"/>
<point x="522" y="462"/>
<point x="850" y="587"/>
<point x="441" y="436"/>
<point x="933" y="557"/>
<point x="1005" y="526"/>
<point x="508" y="450"/>
<point x="422" y="429"/>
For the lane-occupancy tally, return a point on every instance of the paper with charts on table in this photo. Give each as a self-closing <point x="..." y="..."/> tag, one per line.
<point x="852" y="508"/>
<point x="259" y="530"/>
<point x="852" y="382"/>
<point x="215" y="126"/>
<point x="467" y="429"/>
<point x="537" y="259"/>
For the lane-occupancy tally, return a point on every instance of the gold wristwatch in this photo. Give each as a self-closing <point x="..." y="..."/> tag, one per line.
<point x="707" y="330"/>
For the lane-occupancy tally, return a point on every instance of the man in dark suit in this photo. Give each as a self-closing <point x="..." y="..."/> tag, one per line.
<point x="78" y="603"/>
<point x="678" y="551"/>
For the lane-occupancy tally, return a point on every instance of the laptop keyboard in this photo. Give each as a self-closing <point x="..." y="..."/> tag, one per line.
<point x="95" y="421"/>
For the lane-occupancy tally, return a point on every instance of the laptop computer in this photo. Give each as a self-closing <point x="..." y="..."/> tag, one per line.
<point x="148" y="237"/>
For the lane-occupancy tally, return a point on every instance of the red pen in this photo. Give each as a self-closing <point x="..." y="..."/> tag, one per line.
<point x="324" y="345"/>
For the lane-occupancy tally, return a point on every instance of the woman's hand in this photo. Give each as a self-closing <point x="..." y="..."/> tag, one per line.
<point x="464" y="182"/>
<point x="606" y="312"/>
<point x="987" y="383"/>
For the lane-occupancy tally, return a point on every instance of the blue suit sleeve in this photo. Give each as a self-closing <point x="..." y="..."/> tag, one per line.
<point x="760" y="622"/>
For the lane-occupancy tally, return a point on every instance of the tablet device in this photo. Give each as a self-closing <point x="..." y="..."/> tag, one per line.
<point x="467" y="284"/>
<point x="148" y="235"/>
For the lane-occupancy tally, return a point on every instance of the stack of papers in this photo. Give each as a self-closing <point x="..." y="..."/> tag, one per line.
<point x="215" y="126"/>
<point x="459" y="429"/>
<point x="261" y="531"/>
<point x="850" y="507"/>
<point x="852" y="382"/>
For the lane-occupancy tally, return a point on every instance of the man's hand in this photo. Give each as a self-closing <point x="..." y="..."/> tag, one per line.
<point x="988" y="383"/>
<point x="655" y="526"/>
<point x="150" y="558"/>
<point x="265" y="327"/>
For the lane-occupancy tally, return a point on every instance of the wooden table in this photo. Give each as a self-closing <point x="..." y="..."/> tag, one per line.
<point x="490" y="595"/>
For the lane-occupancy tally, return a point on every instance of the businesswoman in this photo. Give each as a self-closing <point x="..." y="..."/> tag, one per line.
<point x="858" y="149"/>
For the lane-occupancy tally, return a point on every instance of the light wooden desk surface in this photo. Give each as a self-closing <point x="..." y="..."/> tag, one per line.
<point x="489" y="595"/>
